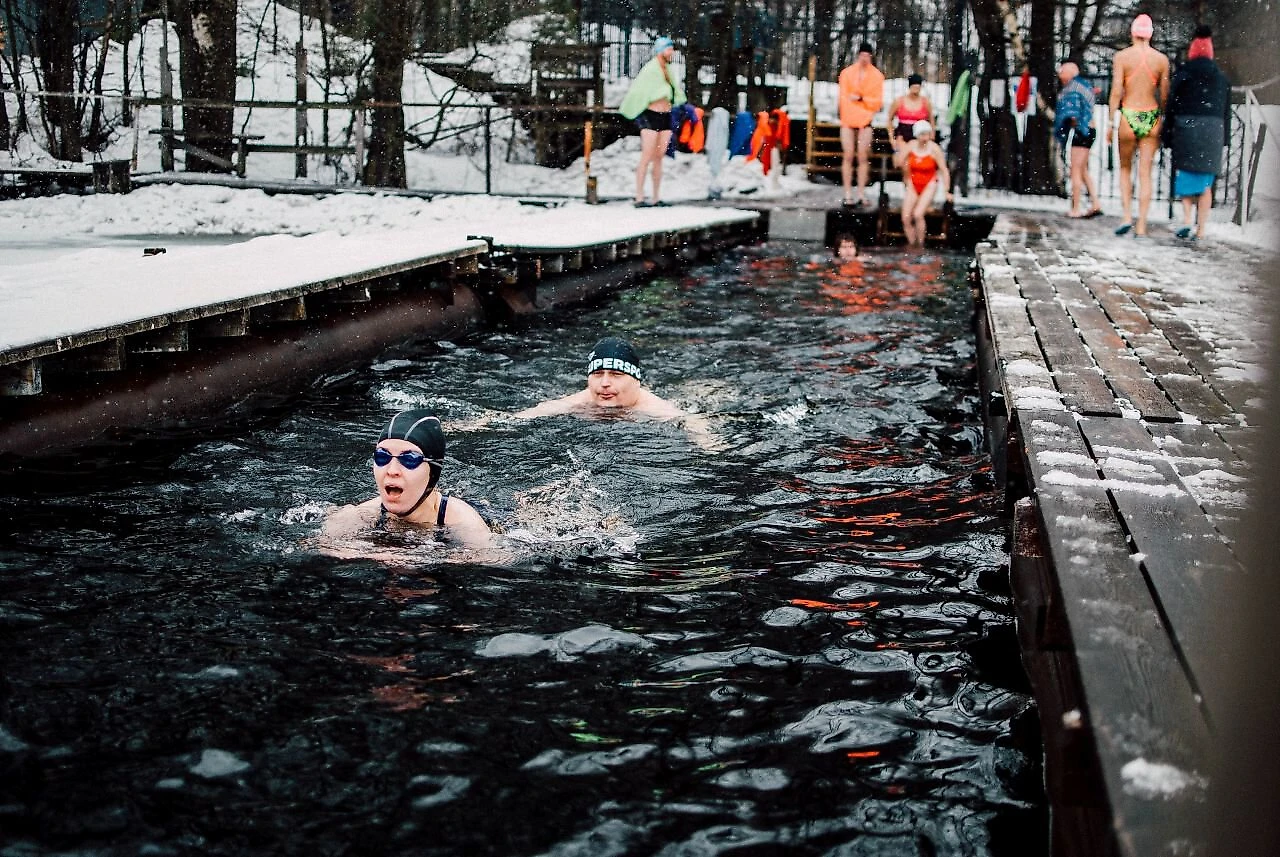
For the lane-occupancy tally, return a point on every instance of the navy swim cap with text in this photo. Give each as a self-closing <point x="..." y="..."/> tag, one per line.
<point x="615" y="354"/>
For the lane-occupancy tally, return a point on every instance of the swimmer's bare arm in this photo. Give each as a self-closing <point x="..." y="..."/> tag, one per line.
<point x="564" y="405"/>
<point x="696" y="425"/>
<point x="1117" y="94"/>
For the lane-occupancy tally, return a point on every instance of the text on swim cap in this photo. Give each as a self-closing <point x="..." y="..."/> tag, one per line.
<point x="616" y="364"/>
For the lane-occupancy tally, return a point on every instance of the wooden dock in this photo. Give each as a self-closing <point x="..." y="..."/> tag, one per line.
<point x="163" y="341"/>
<point x="1123" y="431"/>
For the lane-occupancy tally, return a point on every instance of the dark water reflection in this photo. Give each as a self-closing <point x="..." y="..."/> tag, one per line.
<point x="796" y="644"/>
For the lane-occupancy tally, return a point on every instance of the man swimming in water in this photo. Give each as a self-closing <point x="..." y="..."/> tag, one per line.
<point x="407" y="462"/>
<point x="1139" y="89"/>
<point x="614" y="382"/>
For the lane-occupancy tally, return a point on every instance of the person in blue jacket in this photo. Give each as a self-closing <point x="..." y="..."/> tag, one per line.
<point x="648" y="103"/>
<point x="1073" y="126"/>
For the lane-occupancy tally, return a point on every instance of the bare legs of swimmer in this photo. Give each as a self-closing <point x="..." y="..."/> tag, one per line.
<point x="653" y="147"/>
<point x="1147" y="147"/>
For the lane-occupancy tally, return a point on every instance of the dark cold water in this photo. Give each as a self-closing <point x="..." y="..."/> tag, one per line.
<point x="796" y="643"/>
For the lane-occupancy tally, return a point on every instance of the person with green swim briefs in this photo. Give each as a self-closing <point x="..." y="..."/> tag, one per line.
<point x="1139" y="90"/>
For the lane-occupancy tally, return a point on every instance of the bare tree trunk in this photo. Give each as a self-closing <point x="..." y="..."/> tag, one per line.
<point x="207" y="45"/>
<point x="891" y="52"/>
<point x="55" y="40"/>
<point x="824" y="16"/>
<point x="725" y="92"/>
<point x="13" y="60"/>
<point x="4" y="105"/>
<point x="391" y="33"/>
<point x="96" y="137"/>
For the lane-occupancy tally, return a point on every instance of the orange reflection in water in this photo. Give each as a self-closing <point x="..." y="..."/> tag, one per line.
<point x="855" y="287"/>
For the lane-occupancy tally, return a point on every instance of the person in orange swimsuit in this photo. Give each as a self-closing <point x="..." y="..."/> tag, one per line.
<point x="1139" y="90"/>
<point x="924" y="170"/>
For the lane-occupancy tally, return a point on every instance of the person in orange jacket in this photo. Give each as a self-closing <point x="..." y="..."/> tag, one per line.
<point x="861" y="95"/>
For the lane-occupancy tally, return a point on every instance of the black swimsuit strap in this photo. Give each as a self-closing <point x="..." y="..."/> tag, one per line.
<point x="444" y="503"/>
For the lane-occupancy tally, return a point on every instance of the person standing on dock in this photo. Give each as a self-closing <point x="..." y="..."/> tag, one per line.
<point x="908" y="109"/>
<point x="861" y="95"/>
<point x="1139" y="90"/>
<point x="648" y="103"/>
<point x="1073" y="126"/>
<point x="924" y="168"/>
<point x="1198" y="116"/>
<point x="407" y="462"/>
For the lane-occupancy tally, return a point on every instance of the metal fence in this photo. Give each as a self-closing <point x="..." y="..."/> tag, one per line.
<point x="1247" y="141"/>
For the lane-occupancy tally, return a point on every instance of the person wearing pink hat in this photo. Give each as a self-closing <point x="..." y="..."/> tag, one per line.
<point x="1139" y="90"/>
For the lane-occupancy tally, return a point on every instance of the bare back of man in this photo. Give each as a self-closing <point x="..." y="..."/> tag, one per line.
<point x="1139" y="89"/>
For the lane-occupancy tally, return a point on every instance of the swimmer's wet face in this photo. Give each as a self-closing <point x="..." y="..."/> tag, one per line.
<point x="399" y="486"/>
<point x="611" y="389"/>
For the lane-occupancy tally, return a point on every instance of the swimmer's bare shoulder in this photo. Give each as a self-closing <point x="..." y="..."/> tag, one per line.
<point x="466" y="526"/>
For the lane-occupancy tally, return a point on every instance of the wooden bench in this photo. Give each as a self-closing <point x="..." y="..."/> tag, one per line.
<point x="172" y="139"/>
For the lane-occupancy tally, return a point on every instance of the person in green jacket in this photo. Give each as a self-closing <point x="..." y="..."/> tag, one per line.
<point x="648" y="103"/>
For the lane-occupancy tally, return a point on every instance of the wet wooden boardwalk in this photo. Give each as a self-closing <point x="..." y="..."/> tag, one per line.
<point x="1120" y="391"/>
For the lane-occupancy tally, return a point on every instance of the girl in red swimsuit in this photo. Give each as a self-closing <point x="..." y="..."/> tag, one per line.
<point x="924" y="170"/>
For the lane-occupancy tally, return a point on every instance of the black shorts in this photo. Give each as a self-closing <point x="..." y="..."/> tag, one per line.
<point x="905" y="130"/>
<point x="1083" y="141"/>
<point x="652" y="120"/>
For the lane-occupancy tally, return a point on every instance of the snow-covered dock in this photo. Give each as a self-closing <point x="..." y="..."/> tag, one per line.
<point x="1122" y="425"/>
<point x="107" y="339"/>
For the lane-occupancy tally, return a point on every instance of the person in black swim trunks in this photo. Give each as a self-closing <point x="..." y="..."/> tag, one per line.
<point x="407" y="462"/>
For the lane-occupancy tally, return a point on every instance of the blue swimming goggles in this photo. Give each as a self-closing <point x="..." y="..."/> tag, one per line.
<point x="408" y="459"/>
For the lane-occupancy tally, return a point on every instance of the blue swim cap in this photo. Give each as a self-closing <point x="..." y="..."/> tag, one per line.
<point x="614" y="354"/>
<point x="661" y="43"/>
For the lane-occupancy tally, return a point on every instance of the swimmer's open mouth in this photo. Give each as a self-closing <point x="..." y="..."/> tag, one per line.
<point x="392" y="491"/>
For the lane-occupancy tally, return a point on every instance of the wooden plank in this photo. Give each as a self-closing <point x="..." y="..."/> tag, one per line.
<point x="1118" y="363"/>
<point x="1215" y="474"/>
<point x="1189" y="391"/>
<point x="1183" y="556"/>
<point x="1201" y="355"/>
<point x="163" y="340"/>
<point x="1140" y="703"/>
<point x="1083" y="388"/>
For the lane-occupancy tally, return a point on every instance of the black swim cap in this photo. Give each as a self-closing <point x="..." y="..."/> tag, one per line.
<point x="913" y="79"/>
<point x="422" y="428"/>
<point x="865" y="48"/>
<point x="616" y="354"/>
<point x="419" y="427"/>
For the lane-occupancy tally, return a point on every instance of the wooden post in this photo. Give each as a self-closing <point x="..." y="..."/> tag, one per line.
<point x="592" y="198"/>
<point x="300" y="121"/>
<point x="166" y="92"/>
<point x="813" y="117"/>
<point x="360" y="123"/>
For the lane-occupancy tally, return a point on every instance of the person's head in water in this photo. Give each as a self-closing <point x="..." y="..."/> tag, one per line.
<point x="613" y="374"/>
<point x="407" y="461"/>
